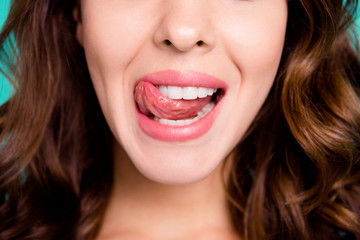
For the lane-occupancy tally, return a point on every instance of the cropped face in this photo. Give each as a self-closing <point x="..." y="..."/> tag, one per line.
<point x="180" y="81"/>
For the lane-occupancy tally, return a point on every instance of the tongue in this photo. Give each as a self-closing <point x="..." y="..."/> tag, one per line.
<point x="152" y="102"/>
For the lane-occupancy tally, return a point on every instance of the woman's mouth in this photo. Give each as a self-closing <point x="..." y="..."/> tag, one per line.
<point x="177" y="106"/>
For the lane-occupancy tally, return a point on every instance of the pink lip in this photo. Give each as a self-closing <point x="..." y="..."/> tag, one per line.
<point x="163" y="132"/>
<point x="184" y="79"/>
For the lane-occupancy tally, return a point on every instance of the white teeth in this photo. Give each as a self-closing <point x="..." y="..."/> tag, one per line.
<point x="210" y="92"/>
<point x="164" y="90"/>
<point x="208" y="107"/>
<point x="187" y="93"/>
<point x="175" y="92"/>
<point x="190" y="93"/>
<point x="172" y="122"/>
<point x="180" y="122"/>
<point x="202" y="92"/>
<point x="188" y="121"/>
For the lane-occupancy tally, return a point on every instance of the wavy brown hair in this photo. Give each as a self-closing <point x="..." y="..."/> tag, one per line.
<point x="295" y="174"/>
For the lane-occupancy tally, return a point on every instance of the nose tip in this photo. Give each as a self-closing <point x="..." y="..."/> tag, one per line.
<point x="184" y="29"/>
<point x="184" y="39"/>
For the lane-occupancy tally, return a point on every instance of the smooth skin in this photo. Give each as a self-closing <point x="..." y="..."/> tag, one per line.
<point x="173" y="190"/>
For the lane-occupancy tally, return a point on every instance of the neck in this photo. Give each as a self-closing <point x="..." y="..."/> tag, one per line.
<point x="139" y="205"/>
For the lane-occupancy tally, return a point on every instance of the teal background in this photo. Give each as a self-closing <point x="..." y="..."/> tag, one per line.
<point x="5" y="88"/>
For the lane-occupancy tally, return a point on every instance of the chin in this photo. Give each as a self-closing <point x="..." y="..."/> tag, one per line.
<point x="175" y="163"/>
<point x="177" y="171"/>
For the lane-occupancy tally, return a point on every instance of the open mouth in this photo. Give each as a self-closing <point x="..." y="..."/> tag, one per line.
<point x="175" y="107"/>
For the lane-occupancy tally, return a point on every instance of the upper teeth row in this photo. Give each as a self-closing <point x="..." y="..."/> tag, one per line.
<point x="187" y="93"/>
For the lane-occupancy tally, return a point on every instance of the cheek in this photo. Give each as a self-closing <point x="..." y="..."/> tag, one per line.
<point x="255" y="41"/>
<point x="111" y="40"/>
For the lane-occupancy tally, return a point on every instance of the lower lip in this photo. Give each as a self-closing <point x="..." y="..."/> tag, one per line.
<point x="169" y="133"/>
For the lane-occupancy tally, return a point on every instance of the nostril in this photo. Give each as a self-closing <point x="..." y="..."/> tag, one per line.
<point x="200" y="43"/>
<point x="167" y="42"/>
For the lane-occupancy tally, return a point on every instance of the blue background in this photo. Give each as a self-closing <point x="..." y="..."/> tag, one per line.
<point x="5" y="88"/>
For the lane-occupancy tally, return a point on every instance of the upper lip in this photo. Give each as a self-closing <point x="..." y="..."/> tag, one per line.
<point x="184" y="79"/>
